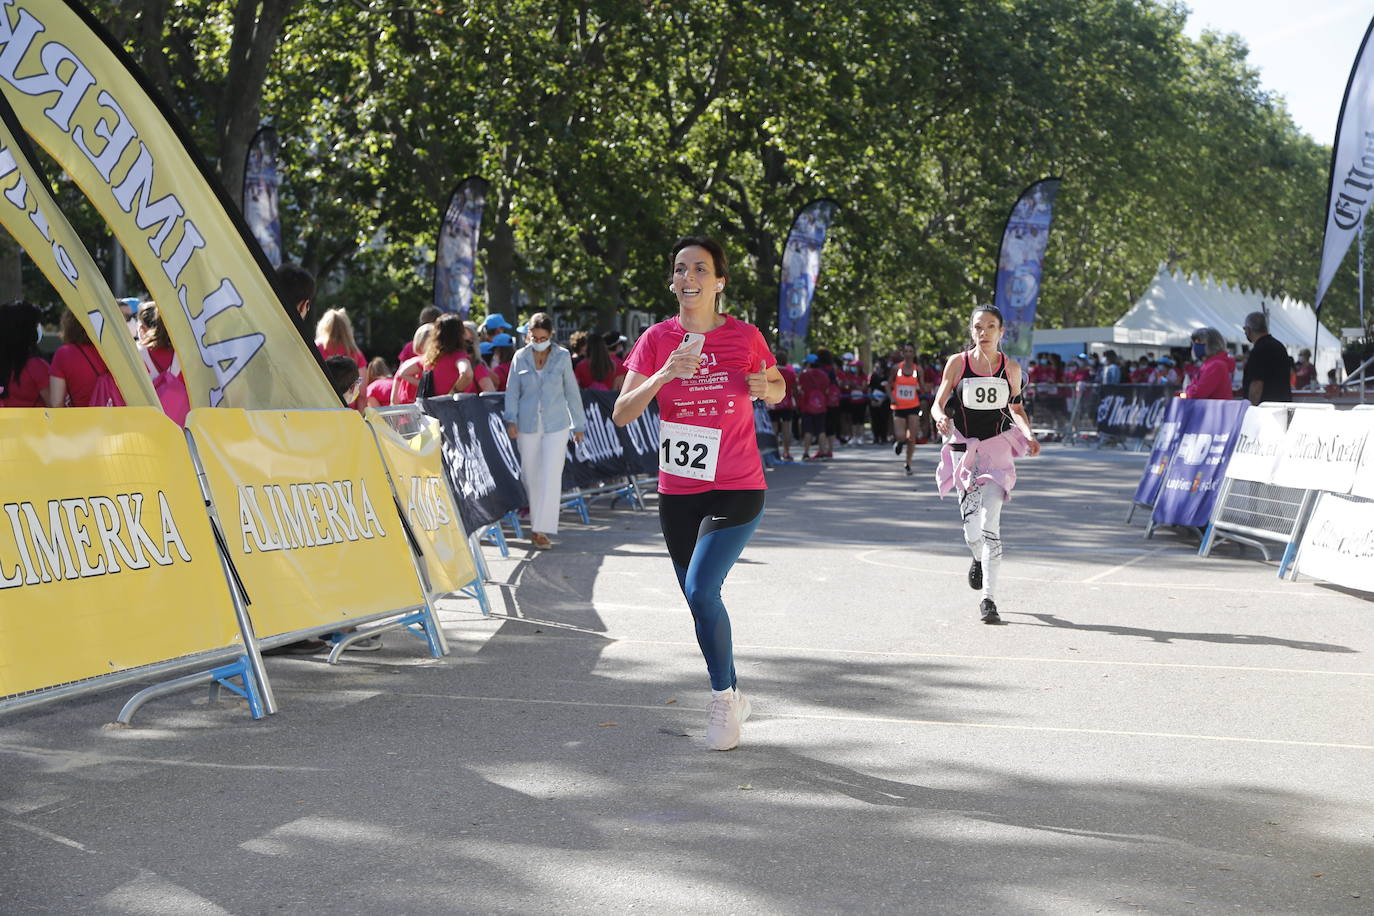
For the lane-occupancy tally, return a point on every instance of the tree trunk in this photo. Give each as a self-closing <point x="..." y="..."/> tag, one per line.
<point x="499" y="265"/>
<point x="257" y="31"/>
<point x="11" y="269"/>
<point x="610" y="292"/>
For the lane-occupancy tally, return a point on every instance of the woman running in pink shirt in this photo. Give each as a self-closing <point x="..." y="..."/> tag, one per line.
<point x="704" y="369"/>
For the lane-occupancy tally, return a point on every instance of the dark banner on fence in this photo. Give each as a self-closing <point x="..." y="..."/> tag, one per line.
<point x="608" y="453"/>
<point x="479" y="457"/>
<point x="1207" y="434"/>
<point x="1132" y="411"/>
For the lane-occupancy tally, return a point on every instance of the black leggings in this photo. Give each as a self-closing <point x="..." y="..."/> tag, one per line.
<point x="705" y="534"/>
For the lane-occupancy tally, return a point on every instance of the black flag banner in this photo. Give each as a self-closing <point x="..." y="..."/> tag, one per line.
<point x="479" y="457"/>
<point x="607" y="452"/>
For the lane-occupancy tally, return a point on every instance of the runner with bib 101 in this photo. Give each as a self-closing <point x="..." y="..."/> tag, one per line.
<point x="705" y="369"/>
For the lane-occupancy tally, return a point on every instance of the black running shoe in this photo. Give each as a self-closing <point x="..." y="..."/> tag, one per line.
<point x="908" y="470"/>
<point x="897" y="446"/>
<point x="975" y="575"/>
<point x="989" y="611"/>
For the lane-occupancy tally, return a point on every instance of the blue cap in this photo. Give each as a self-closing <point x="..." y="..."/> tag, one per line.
<point x="495" y="321"/>
<point x="1165" y="361"/>
<point x="485" y="347"/>
<point x="503" y="340"/>
<point x="522" y="330"/>
<point x="130" y="303"/>
<point x="811" y="358"/>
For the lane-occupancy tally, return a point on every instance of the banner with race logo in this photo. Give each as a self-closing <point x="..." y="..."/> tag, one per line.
<point x="639" y="439"/>
<point x="479" y="456"/>
<point x="307" y="515"/>
<point x="82" y="99"/>
<point x="801" y="268"/>
<point x="1338" y="543"/>
<point x="417" y="472"/>
<point x="1322" y="449"/>
<point x="1259" y="445"/>
<point x="600" y="456"/>
<point x="455" y="257"/>
<point x="1020" y="265"/>
<point x="31" y="216"/>
<point x="1132" y="411"/>
<point x="1363" y="484"/>
<point x="1350" y="185"/>
<point x="107" y="559"/>
<point x="1166" y="439"/>
<point x="1206" y="436"/>
<point x="261" y="180"/>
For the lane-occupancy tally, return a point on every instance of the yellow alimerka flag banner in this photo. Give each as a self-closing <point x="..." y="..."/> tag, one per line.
<point x="417" y="471"/>
<point x="107" y="560"/>
<point x="28" y="212"/>
<point x="307" y="512"/>
<point x="78" y="96"/>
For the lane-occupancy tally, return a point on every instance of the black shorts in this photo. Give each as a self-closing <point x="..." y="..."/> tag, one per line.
<point x="813" y="424"/>
<point x="857" y="410"/>
<point x="832" y="420"/>
<point x="908" y="411"/>
<point x="780" y="415"/>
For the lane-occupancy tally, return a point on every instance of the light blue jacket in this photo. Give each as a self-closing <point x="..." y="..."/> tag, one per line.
<point x="555" y="395"/>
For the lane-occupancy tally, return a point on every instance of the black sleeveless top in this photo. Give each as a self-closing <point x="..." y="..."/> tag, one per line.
<point x="979" y="406"/>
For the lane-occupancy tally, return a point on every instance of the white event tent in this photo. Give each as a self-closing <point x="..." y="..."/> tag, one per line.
<point x="1174" y="306"/>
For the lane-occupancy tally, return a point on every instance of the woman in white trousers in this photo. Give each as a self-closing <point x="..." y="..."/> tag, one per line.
<point x="543" y="403"/>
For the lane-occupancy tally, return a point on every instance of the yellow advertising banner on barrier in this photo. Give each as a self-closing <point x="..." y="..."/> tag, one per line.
<point x="107" y="560"/>
<point x="80" y="97"/>
<point x="28" y="212"/>
<point x="305" y="506"/>
<point x="417" y="470"/>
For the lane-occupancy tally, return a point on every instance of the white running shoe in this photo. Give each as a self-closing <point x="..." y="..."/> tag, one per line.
<point x="727" y="712"/>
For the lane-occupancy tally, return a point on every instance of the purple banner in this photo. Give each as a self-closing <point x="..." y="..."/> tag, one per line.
<point x="801" y="268"/>
<point x="456" y="257"/>
<point x="1207" y="433"/>
<point x="1166" y="437"/>
<point x="1020" y="264"/>
<point x="261" y="179"/>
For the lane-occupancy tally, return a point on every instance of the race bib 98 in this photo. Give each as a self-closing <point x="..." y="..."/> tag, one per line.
<point x="984" y="393"/>
<point x="688" y="451"/>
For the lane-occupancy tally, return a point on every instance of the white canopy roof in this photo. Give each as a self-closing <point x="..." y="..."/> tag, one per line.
<point x="1174" y="306"/>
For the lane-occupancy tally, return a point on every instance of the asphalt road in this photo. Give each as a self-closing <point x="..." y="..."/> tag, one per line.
<point x="1150" y="732"/>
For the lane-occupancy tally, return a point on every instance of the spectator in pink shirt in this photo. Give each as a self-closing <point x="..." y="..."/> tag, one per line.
<point x="76" y="366"/>
<point x="1214" y="378"/>
<point x="23" y="373"/>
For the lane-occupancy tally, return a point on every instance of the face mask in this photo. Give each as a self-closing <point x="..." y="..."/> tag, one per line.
<point x="1199" y="350"/>
<point x="542" y="345"/>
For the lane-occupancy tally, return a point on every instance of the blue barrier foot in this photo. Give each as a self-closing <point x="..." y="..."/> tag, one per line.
<point x="224" y="675"/>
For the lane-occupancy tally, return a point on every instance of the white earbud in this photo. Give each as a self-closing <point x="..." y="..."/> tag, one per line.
<point x="672" y="288"/>
<point x="720" y="286"/>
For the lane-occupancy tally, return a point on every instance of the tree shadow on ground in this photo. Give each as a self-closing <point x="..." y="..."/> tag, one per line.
<point x="1169" y="636"/>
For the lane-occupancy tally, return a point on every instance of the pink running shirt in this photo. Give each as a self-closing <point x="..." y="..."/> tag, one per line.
<point x="717" y="398"/>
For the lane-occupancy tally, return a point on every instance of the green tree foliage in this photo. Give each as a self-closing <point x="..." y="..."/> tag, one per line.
<point x="608" y="128"/>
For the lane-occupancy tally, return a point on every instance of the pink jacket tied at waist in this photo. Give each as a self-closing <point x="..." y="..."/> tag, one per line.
<point x="992" y="457"/>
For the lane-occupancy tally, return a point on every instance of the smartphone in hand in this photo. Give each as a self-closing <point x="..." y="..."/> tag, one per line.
<point x="693" y="341"/>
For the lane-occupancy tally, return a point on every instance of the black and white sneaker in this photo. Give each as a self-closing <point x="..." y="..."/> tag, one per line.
<point x="897" y="446"/>
<point x="989" y="611"/>
<point x="975" y="575"/>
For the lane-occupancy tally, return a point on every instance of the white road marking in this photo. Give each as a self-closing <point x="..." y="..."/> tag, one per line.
<point x="49" y="835"/>
<point x="1294" y="590"/>
<point x="947" y="656"/>
<point x="1120" y="566"/>
<point x="885" y="720"/>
